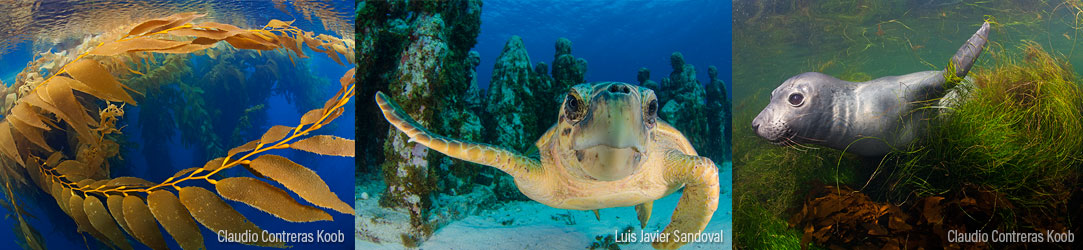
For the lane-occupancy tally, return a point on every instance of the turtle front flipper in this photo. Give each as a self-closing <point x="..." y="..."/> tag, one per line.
<point x="700" y="198"/>
<point x="504" y="159"/>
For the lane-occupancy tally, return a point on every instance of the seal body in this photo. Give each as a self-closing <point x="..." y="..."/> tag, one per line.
<point x="866" y="118"/>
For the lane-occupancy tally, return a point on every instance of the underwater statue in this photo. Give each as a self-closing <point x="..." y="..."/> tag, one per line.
<point x="866" y="118"/>
<point x="607" y="149"/>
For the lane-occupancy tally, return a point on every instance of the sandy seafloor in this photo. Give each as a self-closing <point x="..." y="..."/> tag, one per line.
<point x="533" y="225"/>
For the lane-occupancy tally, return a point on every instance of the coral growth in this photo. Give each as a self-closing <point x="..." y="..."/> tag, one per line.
<point x="419" y="51"/>
<point x="567" y="69"/>
<point x="683" y="101"/>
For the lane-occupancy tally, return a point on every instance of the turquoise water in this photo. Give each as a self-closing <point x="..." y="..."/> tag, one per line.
<point x="434" y="202"/>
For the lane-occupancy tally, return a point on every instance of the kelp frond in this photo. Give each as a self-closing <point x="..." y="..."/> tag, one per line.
<point x="111" y="208"/>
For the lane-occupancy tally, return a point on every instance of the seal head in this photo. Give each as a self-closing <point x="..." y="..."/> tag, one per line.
<point x="797" y="110"/>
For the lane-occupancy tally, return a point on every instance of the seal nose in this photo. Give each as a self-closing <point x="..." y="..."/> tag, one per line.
<point x="619" y="88"/>
<point x="756" y="123"/>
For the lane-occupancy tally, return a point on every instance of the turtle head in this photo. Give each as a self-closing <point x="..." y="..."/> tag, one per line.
<point x="604" y="129"/>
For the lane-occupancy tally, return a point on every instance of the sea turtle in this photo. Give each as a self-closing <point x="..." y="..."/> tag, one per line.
<point x="607" y="149"/>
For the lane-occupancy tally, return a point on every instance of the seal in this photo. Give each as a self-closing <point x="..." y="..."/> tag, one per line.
<point x="607" y="149"/>
<point x="866" y="118"/>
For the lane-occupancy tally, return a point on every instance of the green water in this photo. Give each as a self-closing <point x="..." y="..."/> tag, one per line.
<point x="857" y="41"/>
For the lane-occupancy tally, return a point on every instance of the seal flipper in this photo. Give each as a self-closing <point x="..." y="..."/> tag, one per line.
<point x="597" y="215"/>
<point x="699" y="200"/>
<point x="643" y="212"/>
<point x="964" y="58"/>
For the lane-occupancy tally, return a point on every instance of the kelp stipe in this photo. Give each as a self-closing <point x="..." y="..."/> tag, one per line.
<point x="111" y="208"/>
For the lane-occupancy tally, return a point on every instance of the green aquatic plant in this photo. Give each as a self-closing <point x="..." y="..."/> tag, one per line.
<point x="770" y="181"/>
<point x="109" y="208"/>
<point x="1019" y="132"/>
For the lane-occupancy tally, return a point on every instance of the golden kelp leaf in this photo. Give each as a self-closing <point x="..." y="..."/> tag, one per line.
<point x="129" y="181"/>
<point x="183" y="172"/>
<point x="218" y="216"/>
<point x="254" y="172"/>
<point x="103" y="222"/>
<point x="242" y="148"/>
<point x="62" y="195"/>
<point x="326" y="145"/>
<point x="233" y="30"/>
<point x="31" y="133"/>
<point x="92" y="74"/>
<point x="73" y="170"/>
<point x="83" y="87"/>
<point x="274" y="134"/>
<point x="23" y="113"/>
<point x="54" y="159"/>
<point x="70" y="109"/>
<point x="33" y="169"/>
<point x="292" y="44"/>
<point x="300" y="180"/>
<point x="313" y="44"/>
<point x="215" y="34"/>
<point x="347" y="78"/>
<point x="99" y="183"/>
<point x="143" y="226"/>
<point x="310" y="117"/>
<point x="85" y="183"/>
<point x="136" y="44"/>
<point x="185" y="49"/>
<point x="333" y="115"/>
<point x="336" y="49"/>
<point x="204" y="41"/>
<point x="175" y="219"/>
<point x="75" y="206"/>
<point x="213" y="164"/>
<point x="160" y="24"/>
<point x="7" y="143"/>
<point x="270" y="199"/>
<point x="35" y="99"/>
<point x="249" y="41"/>
<point x="116" y="208"/>
<point x="275" y="23"/>
<point x="266" y="36"/>
<point x="330" y="103"/>
<point x="334" y="56"/>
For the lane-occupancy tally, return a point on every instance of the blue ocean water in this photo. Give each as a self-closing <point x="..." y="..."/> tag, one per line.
<point x="59" y="230"/>
<point x="615" y="37"/>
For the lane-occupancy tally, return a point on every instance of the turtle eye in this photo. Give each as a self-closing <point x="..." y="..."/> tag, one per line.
<point x="796" y="99"/>
<point x="650" y="112"/>
<point x="652" y="108"/>
<point x="573" y="108"/>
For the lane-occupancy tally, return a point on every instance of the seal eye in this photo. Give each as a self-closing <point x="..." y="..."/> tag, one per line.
<point x="572" y="108"/>
<point x="796" y="99"/>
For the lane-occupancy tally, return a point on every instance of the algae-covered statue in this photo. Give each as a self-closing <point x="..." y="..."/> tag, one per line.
<point x="608" y="149"/>
<point x="867" y="118"/>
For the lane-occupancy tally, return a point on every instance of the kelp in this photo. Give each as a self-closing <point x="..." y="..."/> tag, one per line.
<point x="842" y="218"/>
<point x="107" y="208"/>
